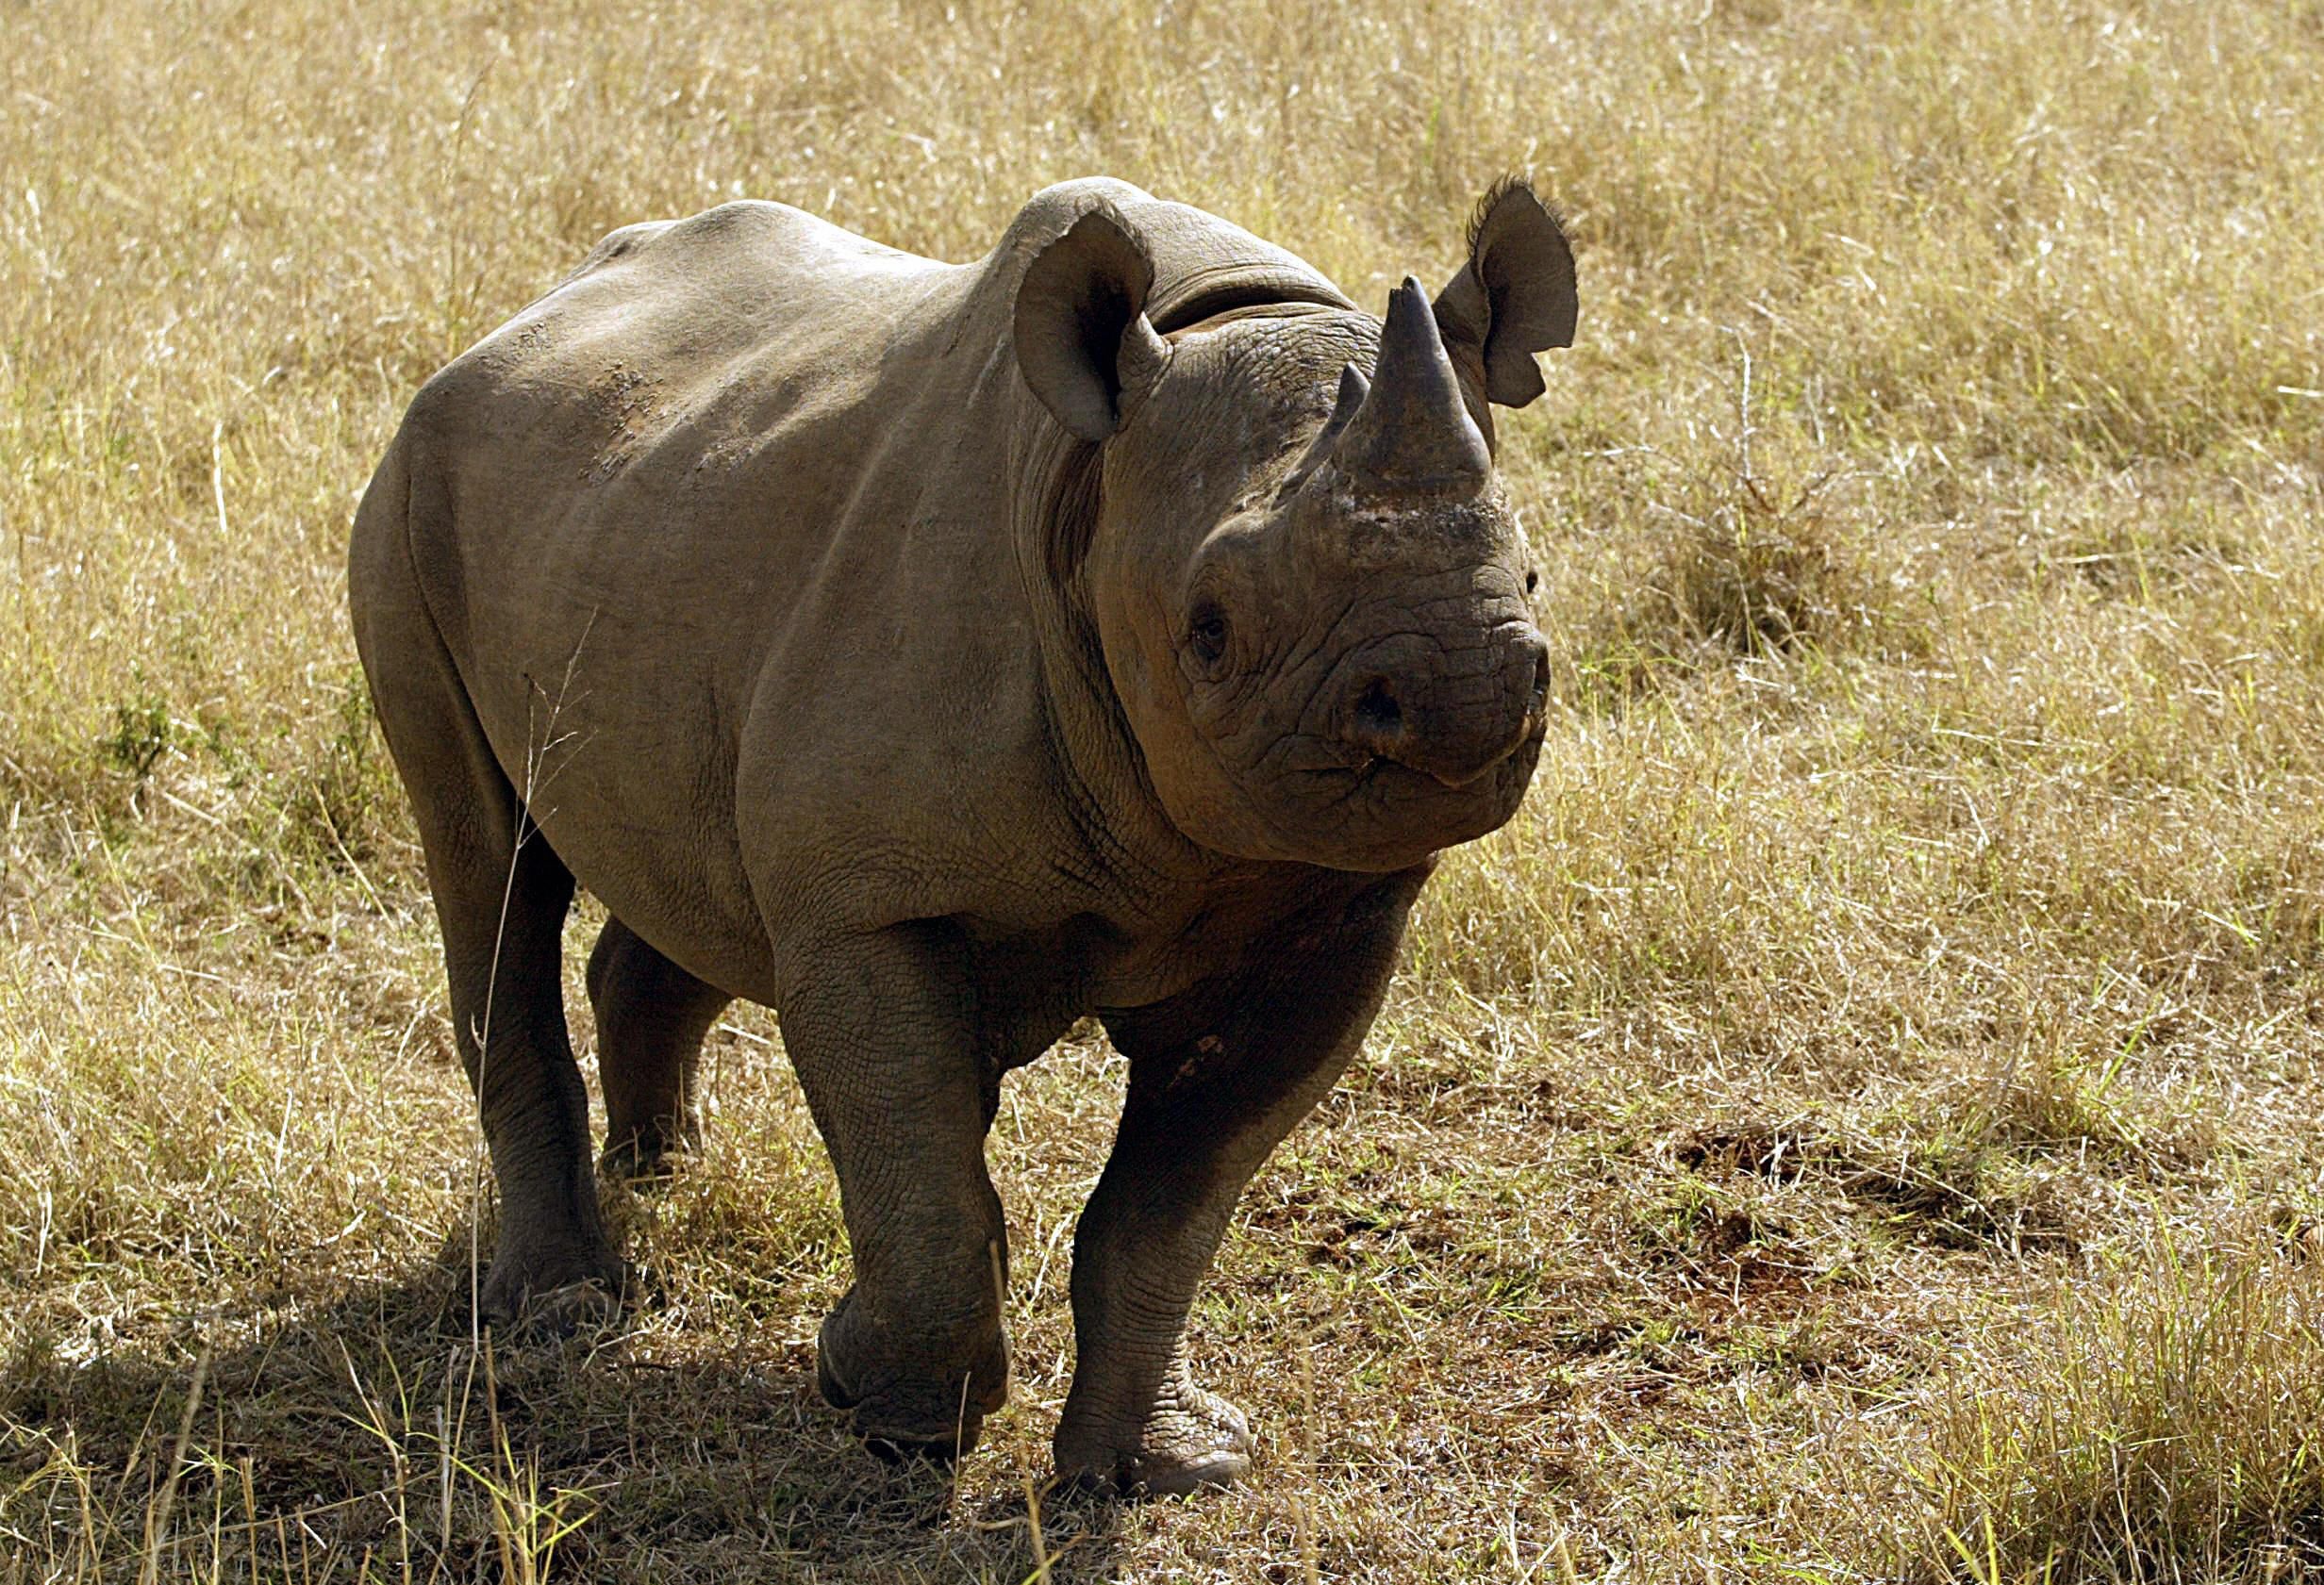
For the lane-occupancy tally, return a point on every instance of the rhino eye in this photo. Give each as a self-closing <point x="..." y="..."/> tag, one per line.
<point x="1206" y="632"/>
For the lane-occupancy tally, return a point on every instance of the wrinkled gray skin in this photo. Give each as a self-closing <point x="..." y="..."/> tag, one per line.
<point x="939" y="654"/>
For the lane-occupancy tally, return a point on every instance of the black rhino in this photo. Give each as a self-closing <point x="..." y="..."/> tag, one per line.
<point x="939" y="653"/>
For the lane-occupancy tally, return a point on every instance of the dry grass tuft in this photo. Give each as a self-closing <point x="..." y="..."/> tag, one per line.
<point x="2161" y="1418"/>
<point x="1759" y="558"/>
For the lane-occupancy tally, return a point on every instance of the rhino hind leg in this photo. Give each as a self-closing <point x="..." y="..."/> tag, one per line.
<point x="652" y="1016"/>
<point x="1216" y="1082"/>
<point x="882" y="1033"/>
<point x="501" y="896"/>
<point x="554" y="1265"/>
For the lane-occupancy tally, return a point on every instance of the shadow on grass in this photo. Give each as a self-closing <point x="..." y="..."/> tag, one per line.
<point x="365" y="1437"/>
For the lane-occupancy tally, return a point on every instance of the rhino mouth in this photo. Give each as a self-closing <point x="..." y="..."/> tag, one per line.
<point x="1375" y="812"/>
<point x="1345" y="770"/>
<point x="1379" y="777"/>
<point x="1382" y="775"/>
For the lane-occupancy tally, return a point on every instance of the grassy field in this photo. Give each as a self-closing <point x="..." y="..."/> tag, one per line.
<point x="1859" y="1121"/>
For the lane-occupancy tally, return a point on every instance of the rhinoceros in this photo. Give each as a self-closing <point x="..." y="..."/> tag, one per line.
<point x="940" y="654"/>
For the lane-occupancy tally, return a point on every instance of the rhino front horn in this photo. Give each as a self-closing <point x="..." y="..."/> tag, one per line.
<point x="1413" y="432"/>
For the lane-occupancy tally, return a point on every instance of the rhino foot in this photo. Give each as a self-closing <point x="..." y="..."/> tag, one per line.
<point x="901" y="1417"/>
<point x="644" y="1159"/>
<point x="555" y="1297"/>
<point x="1189" y="1441"/>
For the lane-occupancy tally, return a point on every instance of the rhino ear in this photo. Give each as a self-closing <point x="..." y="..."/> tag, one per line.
<point x="1082" y="336"/>
<point x="1514" y="297"/>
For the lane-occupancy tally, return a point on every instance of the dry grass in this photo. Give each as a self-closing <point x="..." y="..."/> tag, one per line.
<point x="1858" y="1122"/>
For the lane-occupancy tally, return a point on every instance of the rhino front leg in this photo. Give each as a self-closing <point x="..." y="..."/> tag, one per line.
<point x="1216" y="1082"/>
<point x="883" y="1033"/>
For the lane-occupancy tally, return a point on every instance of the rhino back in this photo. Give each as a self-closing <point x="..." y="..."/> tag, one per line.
<point x="732" y="493"/>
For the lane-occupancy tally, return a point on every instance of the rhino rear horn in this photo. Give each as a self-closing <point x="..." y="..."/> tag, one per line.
<point x="1081" y="333"/>
<point x="1353" y="388"/>
<point x="1413" y="431"/>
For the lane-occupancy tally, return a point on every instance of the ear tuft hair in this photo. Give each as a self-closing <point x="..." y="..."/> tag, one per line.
<point x="1504" y="184"/>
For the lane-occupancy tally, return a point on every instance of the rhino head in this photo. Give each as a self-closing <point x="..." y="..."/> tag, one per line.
<point x="1312" y="597"/>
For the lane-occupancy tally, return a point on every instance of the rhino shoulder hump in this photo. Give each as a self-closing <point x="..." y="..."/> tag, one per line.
<point x="621" y="243"/>
<point x="1049" y="213"/>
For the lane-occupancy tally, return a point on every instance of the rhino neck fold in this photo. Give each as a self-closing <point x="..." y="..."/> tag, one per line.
<point x="1054" y="512"/>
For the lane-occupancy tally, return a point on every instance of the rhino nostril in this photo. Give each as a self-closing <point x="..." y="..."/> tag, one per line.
<point x="1378" y="716"/>
<point x="1541" y="676"/>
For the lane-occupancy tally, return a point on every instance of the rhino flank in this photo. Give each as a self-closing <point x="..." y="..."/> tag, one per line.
<point x="940" y="653"/>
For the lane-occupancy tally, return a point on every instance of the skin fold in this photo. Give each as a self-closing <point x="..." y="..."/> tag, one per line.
<point x="1116" y="626"/>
